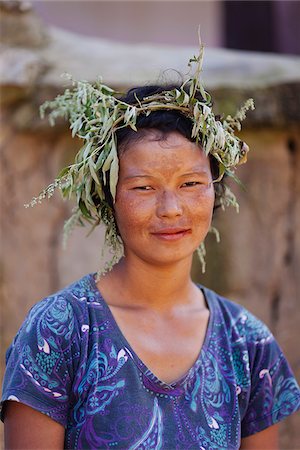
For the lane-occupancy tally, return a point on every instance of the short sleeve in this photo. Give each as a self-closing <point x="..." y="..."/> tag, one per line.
<point x="41" y="361"/>
<point x="274" y="391"/>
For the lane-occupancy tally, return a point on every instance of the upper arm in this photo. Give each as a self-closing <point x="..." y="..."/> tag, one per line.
<point x="28" y="429"/>
<point x="273" y="393"/>
<point x="43" y="360"/>
<point x="264" y="440"/>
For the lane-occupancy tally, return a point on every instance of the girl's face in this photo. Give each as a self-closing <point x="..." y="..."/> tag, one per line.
<point x="165" y="198"/>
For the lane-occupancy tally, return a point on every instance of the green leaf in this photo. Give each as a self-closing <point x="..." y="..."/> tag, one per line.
<point x="106" y="90"/>
<point x="209" y="143"/>
<point x="88" y="186"/>
<point x="63" y="172"/>
<point x="99" y="191"/>
<point x="113" y="176"/>
<point x="107" y="162"/>
<point x="87" y="150"/>
<point x="222" y="170"/>
<point x="76" y="126"/>
<point x="93" y="171"/>
<point x="84" y="209"/>
<point x="132" y="125"/>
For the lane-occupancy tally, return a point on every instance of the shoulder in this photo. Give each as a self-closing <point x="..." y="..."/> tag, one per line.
<point x="239" y="322"/>
<point x="60" y="317"/>
<point x="75" y="297"/>
<point x="265" y="385"/>
<point x="82" y="291"/>
<point x="48" y="349"/>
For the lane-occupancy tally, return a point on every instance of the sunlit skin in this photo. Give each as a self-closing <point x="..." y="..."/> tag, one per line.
<point x="163" y="209"/>
<point x="165" y="198"/>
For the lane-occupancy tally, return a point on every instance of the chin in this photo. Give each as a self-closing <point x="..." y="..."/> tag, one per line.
<point x="167" y="258"/>
<point x="163" y="253"/>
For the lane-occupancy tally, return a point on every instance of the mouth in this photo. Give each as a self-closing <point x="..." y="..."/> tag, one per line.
<point x="172" y="234"/>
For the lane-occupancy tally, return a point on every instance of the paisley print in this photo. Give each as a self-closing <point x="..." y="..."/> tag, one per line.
<point x="286" y="390"/>
<point x="71" y="361"/>
<point x="93" y="388"/>
<point x="152" y="438"/>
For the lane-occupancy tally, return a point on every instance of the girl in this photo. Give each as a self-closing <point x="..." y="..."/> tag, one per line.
<point x="140" y="357"/>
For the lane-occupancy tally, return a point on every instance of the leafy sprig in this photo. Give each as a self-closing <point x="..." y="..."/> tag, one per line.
<point x="95" y="112"/>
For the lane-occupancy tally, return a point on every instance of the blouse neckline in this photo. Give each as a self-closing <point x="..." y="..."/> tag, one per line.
<point x="162" y="385"/>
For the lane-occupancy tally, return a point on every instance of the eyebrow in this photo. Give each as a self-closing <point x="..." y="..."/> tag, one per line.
<point x="130" y="177"/>
<point x="196" y="172"/>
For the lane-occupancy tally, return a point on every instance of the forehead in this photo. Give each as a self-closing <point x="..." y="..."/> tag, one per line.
<point x="157" y="152"/>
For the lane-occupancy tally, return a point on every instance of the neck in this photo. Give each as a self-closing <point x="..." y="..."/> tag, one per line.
<point x="142" y="285"/>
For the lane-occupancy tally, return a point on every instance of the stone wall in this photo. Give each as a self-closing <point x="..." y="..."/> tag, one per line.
<point x="257" y="262"/>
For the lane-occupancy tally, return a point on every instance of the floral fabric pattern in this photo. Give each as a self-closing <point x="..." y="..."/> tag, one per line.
<point x="71" y="361"/>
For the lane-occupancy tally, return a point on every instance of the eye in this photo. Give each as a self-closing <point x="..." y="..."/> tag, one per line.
<point x="191" y="183"/>
<point x="143" y="188"/>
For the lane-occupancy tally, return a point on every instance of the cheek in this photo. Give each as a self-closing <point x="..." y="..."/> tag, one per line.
<point x="201" y="206"/>
<point x="211" y="202"/>
<point x="130" y="214"/>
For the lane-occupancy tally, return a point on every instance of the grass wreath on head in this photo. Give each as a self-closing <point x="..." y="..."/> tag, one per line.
<point x="106" y="121"/>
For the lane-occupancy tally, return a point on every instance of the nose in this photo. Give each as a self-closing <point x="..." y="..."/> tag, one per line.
<point x="169" y="205"/>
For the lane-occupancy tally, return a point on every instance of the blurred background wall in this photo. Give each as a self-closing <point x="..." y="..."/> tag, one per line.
<point x="268" y="26"/>
<point x="257" y="262"/>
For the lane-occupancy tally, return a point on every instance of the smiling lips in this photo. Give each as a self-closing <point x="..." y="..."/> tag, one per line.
<point x="172" y="234"/>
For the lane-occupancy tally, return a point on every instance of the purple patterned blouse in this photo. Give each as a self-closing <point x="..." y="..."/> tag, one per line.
<point x="71" y="361"/>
